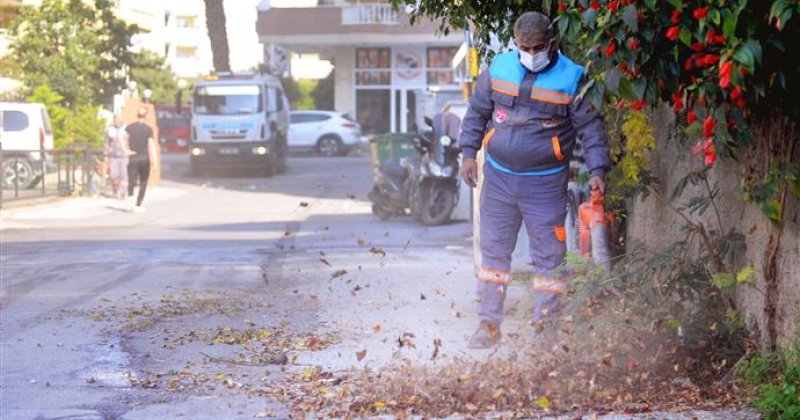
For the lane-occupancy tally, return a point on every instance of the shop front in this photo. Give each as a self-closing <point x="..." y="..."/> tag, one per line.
<point x="394" y="86"/>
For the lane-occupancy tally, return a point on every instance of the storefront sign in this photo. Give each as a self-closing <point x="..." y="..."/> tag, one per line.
<point x="408" y="65"/>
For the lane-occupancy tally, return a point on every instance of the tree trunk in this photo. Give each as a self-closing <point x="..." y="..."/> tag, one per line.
<point x="215" y="22"/>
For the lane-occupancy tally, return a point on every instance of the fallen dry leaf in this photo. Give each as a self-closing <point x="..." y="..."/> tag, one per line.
<point x="406" y="340"/>
<point x="303" y="204"/>
<point x="338" y="273"/>
<point x="437" y="343"/>
<point x="376" y="328"/>
<point x="378" y="251"/>
<point x="543" y="402"/>
<point x="361" y="242"/>
<point x="324" y="261"/>
<point x="360" y="355"/>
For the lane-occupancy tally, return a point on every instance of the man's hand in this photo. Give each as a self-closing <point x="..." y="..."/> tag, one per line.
<point x="469" y="172"/>
<point x="597" y="183"/>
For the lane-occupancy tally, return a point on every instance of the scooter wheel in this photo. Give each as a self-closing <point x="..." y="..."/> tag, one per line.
<point x="438" y="207"/>
<point x="381" y="212"/>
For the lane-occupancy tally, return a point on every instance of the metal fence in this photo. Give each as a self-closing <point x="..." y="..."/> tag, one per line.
<point x="29" y="174"/>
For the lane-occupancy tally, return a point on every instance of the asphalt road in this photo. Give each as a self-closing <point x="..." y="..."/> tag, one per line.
<point x="232" y="297"/>
<point x="188" y="309"/>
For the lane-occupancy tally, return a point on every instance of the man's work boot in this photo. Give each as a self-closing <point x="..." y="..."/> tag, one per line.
<point x="486" y="336"/>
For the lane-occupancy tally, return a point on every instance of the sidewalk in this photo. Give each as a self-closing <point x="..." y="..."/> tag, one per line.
<point x="43" y="213"/>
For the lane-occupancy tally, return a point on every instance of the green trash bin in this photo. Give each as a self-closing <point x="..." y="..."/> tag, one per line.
<point x="391" y="147"/>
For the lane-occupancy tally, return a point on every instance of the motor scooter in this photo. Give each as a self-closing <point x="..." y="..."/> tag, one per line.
<point x="426" y="186"/>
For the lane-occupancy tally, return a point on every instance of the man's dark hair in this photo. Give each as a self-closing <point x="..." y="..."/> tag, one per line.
<point x="533" y="25"/>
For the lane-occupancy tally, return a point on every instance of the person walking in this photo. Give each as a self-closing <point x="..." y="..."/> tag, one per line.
<point x="116" y="152"/>
<point x="140" y="138"/>
<point x="525" y="115"/>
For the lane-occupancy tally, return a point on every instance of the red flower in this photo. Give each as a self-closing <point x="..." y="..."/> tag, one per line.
<point x="741" y="103"/>
<point x="710" y="152"/>
<point x="700" y="13"/>
<point x="620" y="105"/>
<point x="712" y="38"/>
<point x="698" y="46"/>
<point x="595" y="5"/>
<point x="676" y="16"/>
<point x="638" y="105"/>
<point x="633" y="43"/>
<point x="708" y="126"/>
<point x="726" y="68"/>
<point x="613" y="5"/>
<point x="677" y="101"/>
<point x="561" y="7"/>
<point x="736" y="94"/>
<point x="725" y="74"/>
<point x="691" y="117"/>
<point x="673" y="32"/>
<point x="611" y="48"/>
<point x="710" y="60"/>
<point x="724" y="82"/>
<point x="742" y="71"/>
<point x="687" y="65"/>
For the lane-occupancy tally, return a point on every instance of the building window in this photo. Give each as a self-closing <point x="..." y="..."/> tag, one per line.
<point x="185" y="21"/>
<point x="440" y="70"/>
<point x="373" y="67"/>
<point x="185" y="52"/>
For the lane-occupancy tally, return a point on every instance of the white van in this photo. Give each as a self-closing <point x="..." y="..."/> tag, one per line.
<point x="239" y="121"/>
<point x="25" y="132"/>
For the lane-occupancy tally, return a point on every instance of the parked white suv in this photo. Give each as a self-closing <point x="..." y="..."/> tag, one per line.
<point x="25" y="131"/>
<point x="328" y="133"/>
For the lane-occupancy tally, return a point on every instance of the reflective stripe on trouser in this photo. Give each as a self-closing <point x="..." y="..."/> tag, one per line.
<point x="507" y="201"/>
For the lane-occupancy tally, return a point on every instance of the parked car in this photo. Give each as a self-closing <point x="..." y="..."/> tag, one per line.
<point x="174" y="128"/>
<point x="328" y="133"/>
<point x="25" y="132"/>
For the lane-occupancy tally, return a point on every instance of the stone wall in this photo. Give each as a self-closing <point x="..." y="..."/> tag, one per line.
<point x="652" y="224"/>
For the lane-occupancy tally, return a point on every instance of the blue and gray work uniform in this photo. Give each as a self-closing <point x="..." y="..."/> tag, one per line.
<point x="527" y="124"/>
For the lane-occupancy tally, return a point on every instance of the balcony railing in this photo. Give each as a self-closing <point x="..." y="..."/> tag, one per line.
<point x="369" y="14"/>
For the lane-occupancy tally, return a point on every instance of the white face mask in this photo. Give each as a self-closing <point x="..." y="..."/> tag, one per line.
<point x="535" y="62"/>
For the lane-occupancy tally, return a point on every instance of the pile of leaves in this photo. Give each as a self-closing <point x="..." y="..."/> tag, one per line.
<point x="606" y="359"/>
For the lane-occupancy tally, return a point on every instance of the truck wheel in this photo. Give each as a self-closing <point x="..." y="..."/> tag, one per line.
<point x="271" y="167"/>
<point x="330" y="146"/>
<point x="197" y="171"/>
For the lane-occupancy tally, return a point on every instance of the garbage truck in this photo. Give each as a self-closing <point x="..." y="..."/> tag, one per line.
<point x="239" y="121"/>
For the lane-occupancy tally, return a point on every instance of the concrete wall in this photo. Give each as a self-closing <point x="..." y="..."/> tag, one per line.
<point x="654" y="225"/>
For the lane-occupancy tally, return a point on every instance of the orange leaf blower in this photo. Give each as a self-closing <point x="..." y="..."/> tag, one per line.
<point x="594" y="226"/>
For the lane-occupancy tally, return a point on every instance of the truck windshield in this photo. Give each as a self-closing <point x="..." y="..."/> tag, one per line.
<point x="228" y="100"/>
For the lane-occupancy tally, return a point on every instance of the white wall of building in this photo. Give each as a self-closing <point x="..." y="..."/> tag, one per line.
<point x="176" y="30"/>
<point x="344" y="97"/>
